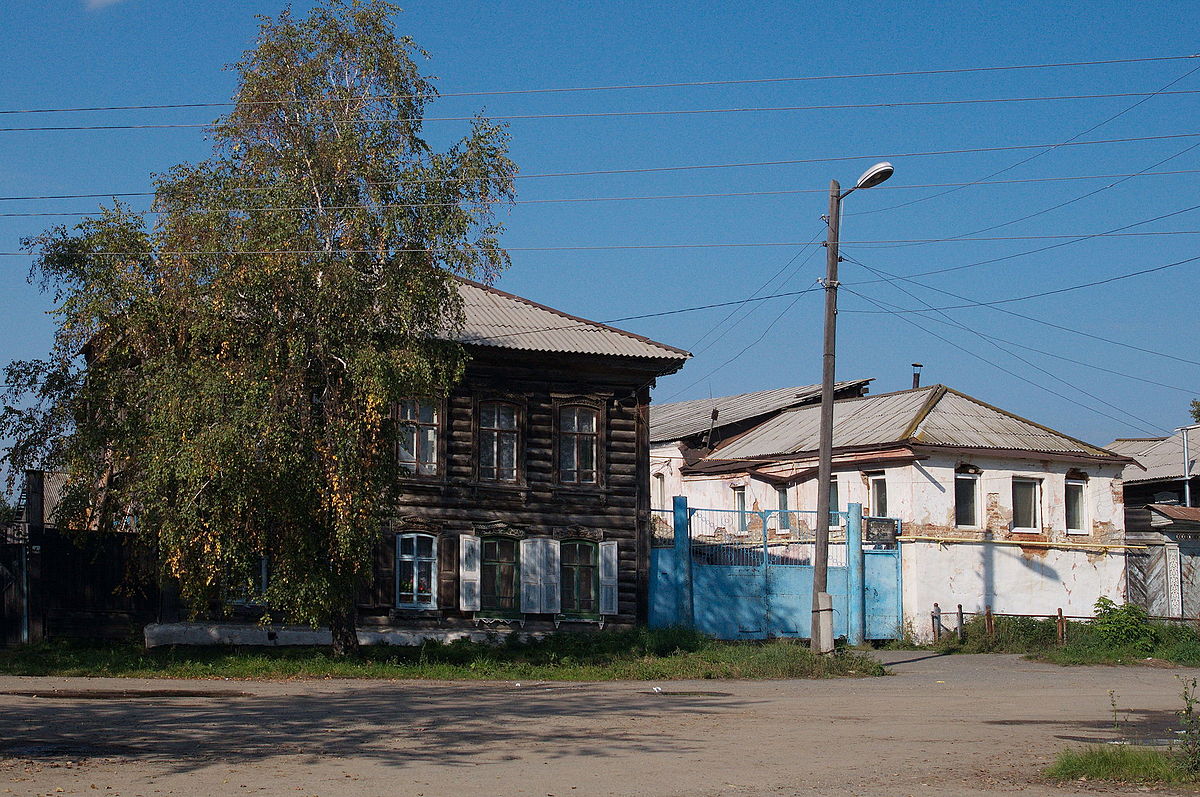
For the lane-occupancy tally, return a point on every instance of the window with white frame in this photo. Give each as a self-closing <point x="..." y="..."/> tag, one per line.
<point x="966" y="499"/>
<point x="739" y="504"/>
<point x="416" y="571"/>
<point x="660" y="491"/>
<point x="1026" y="505"/>
<point x="417" y="447"/>
<point x="878" y="492"/>
<point x="785" y="518"/>
<point x="1075" y="500"/>
<point x="834" y="502"/>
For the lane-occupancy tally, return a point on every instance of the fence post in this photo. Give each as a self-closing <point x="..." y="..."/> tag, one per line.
<point x="856" y="615"/>
<point x="936" y="618"/>
<point x="962" y="631"/>
<point x="989" y="622"/>
<point x="1062" y="629"/>
<point x="683" y="560"/>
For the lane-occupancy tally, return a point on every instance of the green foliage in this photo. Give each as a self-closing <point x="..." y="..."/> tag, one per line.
<point x="223" y="380"/>
<point x="637" y="654"/>
<point x="1121" y="763"/>
<point x="1124" y="626"/>
<point x="1186" y="753"/>
<point x="1195" y="410"/>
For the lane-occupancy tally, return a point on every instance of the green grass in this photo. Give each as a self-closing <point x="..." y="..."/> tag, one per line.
<point x="1086" y="642"/>
<point x="1120" y="763"/>
<point x="638" y="654"/>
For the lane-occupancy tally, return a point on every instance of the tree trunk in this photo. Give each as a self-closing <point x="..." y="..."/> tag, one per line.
<point x="344" y="630"/>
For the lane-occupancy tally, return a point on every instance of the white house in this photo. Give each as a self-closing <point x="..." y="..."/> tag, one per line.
<point x="995" y="510"/>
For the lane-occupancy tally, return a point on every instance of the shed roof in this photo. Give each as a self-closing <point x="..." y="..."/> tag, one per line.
<point x="503" y="320"/>
<point x="682" y="419"/>
<point x="1181" y="514"/>
<point x="934" y="415"/>
<point x="1132" y="446"/>
<point x="1164" y="460"/>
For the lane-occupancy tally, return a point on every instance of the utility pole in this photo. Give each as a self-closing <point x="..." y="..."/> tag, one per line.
<point x="821" y="602"/>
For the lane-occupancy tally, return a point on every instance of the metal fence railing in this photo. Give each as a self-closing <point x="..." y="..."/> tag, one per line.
<point x="662" y="528"/>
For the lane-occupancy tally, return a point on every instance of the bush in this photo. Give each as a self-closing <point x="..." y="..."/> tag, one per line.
<point x="1126" y="626"/>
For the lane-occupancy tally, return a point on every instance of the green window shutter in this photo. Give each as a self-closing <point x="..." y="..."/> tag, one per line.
<point x="608" y="577"/>
<point x="468" y="573"/>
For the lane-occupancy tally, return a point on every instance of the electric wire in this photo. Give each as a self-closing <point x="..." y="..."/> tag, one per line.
<point x="994" y="343"/>
<point x="559" y="200"/>
<point x="621" y="114"/>
<point x="688" y="167"/>
<point x="560" y="90"/>
<point x="994" y="364"/>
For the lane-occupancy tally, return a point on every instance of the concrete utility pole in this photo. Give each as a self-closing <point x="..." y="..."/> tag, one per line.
<point x="821" y="635"/>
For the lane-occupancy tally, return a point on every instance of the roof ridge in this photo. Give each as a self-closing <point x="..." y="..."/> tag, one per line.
<point x="841" y="383"/>
<point x="547" y="308"/>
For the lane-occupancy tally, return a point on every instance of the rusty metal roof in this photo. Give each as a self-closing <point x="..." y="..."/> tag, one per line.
<point x="682" y="419"/>
<point x="934" y="415"/>
<point x="503" y="320"/>
<point x="1164" y="460"/>
<point x="1183" y="514"/>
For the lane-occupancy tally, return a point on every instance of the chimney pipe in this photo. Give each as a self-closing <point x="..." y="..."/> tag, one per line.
<point x="917" y="375"/>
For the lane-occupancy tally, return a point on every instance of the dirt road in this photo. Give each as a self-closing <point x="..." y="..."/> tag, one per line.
<point x="939" y="726"/>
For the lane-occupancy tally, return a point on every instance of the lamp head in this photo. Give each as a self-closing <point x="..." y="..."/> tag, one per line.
<point x="875" y="175"/>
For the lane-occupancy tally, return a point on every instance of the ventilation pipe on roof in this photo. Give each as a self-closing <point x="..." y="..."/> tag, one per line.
<point x="917" y="375"/>
<point x="711" y="425"/>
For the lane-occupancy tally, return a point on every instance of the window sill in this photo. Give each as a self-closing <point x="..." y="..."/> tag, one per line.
<point x="1078" y="533"/>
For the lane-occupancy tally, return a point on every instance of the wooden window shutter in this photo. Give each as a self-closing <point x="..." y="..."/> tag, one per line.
<point x="468" y="573"/>
<point x="382" y="591"/>
<point x="551" y="574"/>
<point x="608" y="577"/>
<point x="447" y="548"/>
<point x="532" y="565"/>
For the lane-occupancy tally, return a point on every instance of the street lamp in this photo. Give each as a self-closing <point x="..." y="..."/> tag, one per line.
<point x="821" y="637"/>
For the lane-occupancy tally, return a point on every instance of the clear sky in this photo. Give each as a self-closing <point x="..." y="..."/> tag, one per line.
<point x="65" y="53"/>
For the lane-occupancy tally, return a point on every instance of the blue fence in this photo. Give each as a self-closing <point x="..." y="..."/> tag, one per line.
<point x="749" y="575"/>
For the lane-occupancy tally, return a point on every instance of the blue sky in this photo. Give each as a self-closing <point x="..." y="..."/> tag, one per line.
<point x="63" y="53"/>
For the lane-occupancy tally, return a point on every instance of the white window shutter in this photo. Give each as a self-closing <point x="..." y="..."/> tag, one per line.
<point x="468" y="573"/>
<point x="608" y="577"/>
<point x="531" y="576"/>
<point x="551" y="575"/>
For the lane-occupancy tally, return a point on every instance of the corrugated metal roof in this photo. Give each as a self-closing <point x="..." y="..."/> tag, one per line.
<point x="1186" y="514"/>
<point x="1132" y="446"/>
<point x="1164" y="459"/>
<point x="496" y="318"/>
<point x="682" y="419"/>
<point x="939" y="415"/>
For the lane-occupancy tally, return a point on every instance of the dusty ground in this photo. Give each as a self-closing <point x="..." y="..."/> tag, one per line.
<point x="940" y="726"/>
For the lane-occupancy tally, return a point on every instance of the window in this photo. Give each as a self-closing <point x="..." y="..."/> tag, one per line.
<point x="660" y="491"/>
<point x="833" y="502"/>
<point x="497" y="442"/>
<point x="785" y="519"/>
<point x="739" y="504"/>
<point x="577" y="444"/>
<point x="966" y="499"/>
<point x="416" y="571"/>
<point x="878" y="484"/>
<point x="579" y="577"/>
<point x="1076" y="520"/>
<point x="1026" y="502"/>
<point x="418" y="443"/>
<point x="498" y="576"/>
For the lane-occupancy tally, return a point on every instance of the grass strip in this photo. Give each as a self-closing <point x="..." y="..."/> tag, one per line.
<point x="1120" y="763"/>
<point x="637" y="654"/>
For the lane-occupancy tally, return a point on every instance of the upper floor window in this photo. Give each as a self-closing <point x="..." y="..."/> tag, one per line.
<point x="1076" y="490"/>
<point x="578" y="444"/>
<point x="497" y="441"/>
<point x="416" y="571"/>
<point x="1026" y="504"/>
<point x="417" y="448"/>
<point x="966" y="498"/>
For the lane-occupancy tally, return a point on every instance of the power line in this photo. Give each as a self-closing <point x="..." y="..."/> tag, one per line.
<point x="995" y="344"/>
<point x="692" y="167"/>
<point x="1014" y="374"/>
<point x="893" y="279"/>
<point x="628" y="114"/>
<point x="557" y="200"/>
<point x="1037" y="155"/>
<point x="613" y="247"/>
<point x="689" y="84"/>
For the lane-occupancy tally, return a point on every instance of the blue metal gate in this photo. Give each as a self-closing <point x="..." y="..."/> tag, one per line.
<point x="749" y="575"/>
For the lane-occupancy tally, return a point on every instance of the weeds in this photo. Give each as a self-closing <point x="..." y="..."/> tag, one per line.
<point x="1187" y="752"/>
<point x="636" y="654"/>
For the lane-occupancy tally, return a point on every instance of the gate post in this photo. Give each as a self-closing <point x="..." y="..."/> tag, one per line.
<point x="855" y="582"/>
<point x="683" y="560"/>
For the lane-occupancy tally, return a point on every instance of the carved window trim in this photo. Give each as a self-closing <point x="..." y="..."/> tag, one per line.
<point x="600" y="406"/>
